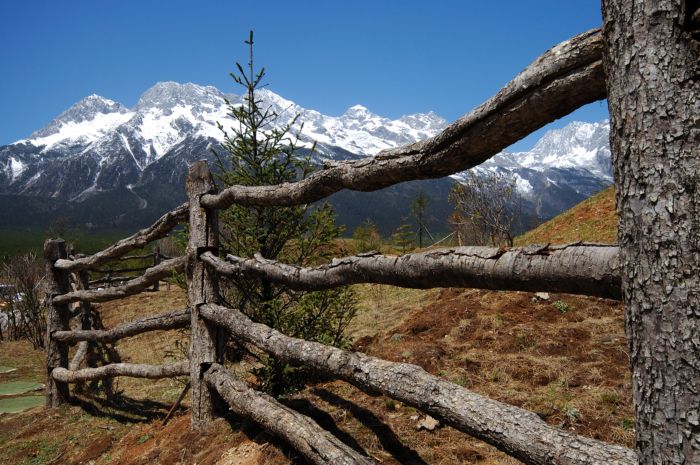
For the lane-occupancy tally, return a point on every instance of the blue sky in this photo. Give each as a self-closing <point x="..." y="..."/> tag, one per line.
<point x="394" y="57"/>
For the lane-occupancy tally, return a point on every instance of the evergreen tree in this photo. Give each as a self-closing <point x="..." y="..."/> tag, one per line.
<point x="403" y="237"/>
<point x="419" y="208"/>
<point x="262" y="150"/>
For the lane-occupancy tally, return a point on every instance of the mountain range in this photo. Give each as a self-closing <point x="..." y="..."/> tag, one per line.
<point x="100" y="164"/>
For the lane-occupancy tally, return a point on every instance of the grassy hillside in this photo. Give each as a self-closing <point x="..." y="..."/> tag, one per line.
<point x="593" y="220"/>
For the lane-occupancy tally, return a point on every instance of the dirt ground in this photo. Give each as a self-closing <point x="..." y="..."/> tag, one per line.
<point x="563" y="357"/>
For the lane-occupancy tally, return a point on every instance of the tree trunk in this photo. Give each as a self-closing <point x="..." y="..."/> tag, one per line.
<point x="517" y="432"/>
<point x="652" y="65"/>
<point x="202" y="288"/>
<point x="589" y="269"/>
<point x="317" y="445"/>
<point x="57" y="317"/>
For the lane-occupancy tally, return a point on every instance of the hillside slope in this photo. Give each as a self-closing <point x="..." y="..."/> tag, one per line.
<point x="593" y="220"/>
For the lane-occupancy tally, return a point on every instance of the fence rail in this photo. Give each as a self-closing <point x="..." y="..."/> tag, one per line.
<point x="558" y="82"/>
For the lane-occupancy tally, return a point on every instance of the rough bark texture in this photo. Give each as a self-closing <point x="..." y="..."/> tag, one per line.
<point x="518" y="432"/>
<point x="172" y="320"/>
<point x="202" y="288"/>
<point x="589" y="269"/>
<point x="132" y="370"/>
<point x="652" y="63"/>
<point x="57" y="317"/>
<point x="561" y="80"/>
<point x="79" y="356"/>
<point x="315" y="444"/>
<point x="134" y="286"/>
<point x="157" y="230"/>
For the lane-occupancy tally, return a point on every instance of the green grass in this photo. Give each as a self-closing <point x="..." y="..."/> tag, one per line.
<point x="17" y="387"/>
<point x="18" y="404"/>
<point x="14" y="241"/>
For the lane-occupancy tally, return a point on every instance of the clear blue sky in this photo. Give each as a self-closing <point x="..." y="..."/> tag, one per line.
<point x="394" y="57"/>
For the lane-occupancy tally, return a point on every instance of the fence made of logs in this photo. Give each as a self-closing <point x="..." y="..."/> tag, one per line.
<point x="575" y="268"/>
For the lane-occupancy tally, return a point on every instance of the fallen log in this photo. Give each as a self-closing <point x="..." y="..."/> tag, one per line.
<point x="131" y="287"/>
<point x="171" y="320"/>
<point x="517" y="432"/>
<point x="590" y="269"/>
<point x="131" y="370"/>
<point x="315" y="444"/>
<point x="555" y="84"/>
<point x="157" y="230"/>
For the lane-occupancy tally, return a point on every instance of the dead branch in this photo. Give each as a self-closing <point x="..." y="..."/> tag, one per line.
<point x="517" y="432"/>
<point x="134" y="286"/>
<point x="590" y="269"/>
<point x="157" y="230"/>
<point x="555" y="84"/>
<point x="171" y="320"/>
<point x="131" y="370"/>
<point x="317" y="445"/>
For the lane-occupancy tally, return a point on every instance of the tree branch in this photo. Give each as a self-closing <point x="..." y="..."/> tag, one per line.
<point x="317" y="445"/>
<point x="132" y="370"/>
<point x="157" y="230"/>
<point x="590" y="269"/>
<point x="519" y="433"/>
<point x="172" y="320"/>
<point x="555" y="84"/>
<point x="134" y="286"/>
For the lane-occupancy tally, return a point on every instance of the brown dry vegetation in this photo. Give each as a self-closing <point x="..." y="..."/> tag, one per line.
<point x="593" y="220"/>
<point x="564" y="358"/>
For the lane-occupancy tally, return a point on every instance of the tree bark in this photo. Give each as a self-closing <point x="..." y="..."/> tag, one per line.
<point x="589" y="269"/>
<point x="519" y="433"/>
<point x="652" y="63"/>
<point x="57" y="317"/>
<point x="315" y="444"/>
<point x="561" y="80"/>
<point x="131" y="370"/>
<point x="171" y="320"/>
<point x="157" y="230"/>
<point x="131" y="287"/>
<point x="202" y="288"/>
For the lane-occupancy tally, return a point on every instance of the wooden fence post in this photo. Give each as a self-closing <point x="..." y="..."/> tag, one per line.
<point x="202" y="287"/>
<point x="57" y="316"/>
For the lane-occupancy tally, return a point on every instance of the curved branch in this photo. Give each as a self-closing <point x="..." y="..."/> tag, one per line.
<point x="134" y="286"/>
<point x="171" y="320"/>
<point x="157" y="230"/>
<point x="519" y="433"/>
<point x="555" y="84"/>
<point x="131" y="370"/>
<point x="589" y="269"/>
<point x="317" y="445"/>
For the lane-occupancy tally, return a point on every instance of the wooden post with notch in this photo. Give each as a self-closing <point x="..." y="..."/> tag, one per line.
<point x="57" y="317"/>
<point x="202" y="288"/>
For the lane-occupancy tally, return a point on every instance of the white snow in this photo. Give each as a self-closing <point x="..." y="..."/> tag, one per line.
<point x="84" y="132"/>
<point x="16" y="168"/>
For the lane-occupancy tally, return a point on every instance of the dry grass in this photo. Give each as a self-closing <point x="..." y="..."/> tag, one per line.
<point x="593" y="220"/>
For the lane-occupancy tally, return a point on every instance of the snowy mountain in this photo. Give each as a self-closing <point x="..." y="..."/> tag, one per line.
<point x="137" y="157"/>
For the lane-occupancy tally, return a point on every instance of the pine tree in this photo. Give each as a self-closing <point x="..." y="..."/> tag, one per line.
<point x="260" y="150"/>
<point x="403" y="237"/>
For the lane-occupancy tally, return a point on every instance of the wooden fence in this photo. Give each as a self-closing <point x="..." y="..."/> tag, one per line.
<point x="576" y="268"/>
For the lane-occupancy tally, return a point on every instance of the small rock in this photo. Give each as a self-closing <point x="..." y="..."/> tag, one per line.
<point x="542" y="295"/>
<point x="428" y="423"/>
